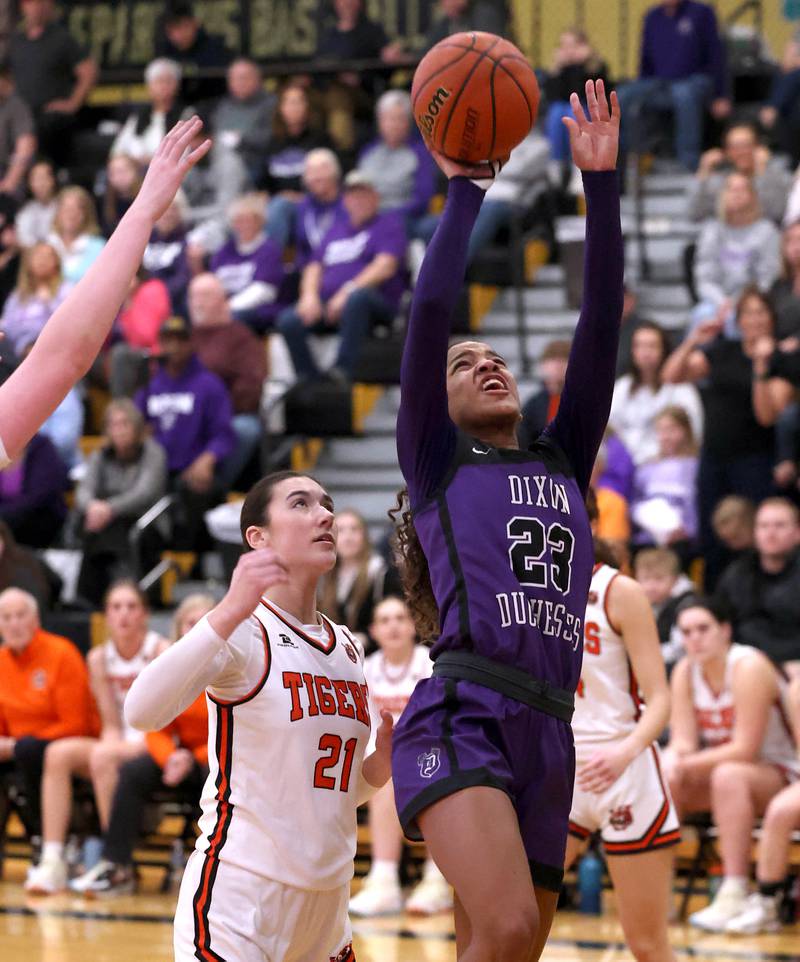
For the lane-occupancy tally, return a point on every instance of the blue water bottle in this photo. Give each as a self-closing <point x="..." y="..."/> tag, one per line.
<point x="590" y="883"/>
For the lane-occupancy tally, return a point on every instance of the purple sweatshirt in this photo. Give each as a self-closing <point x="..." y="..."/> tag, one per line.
<point x="505" y="532"/>
<point x="673" y="480"/>
<point x="312" y="222"/>
<point x="189" y="414"/>
<point x="165" y="259"/>
<point x="251" y="275"/>
<point x="675" y="47"/>
<point x="37" y="483"/>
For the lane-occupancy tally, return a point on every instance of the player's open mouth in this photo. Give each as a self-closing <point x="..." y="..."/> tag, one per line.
<point x="327" y="538"/>
<point x="494" y="384"/>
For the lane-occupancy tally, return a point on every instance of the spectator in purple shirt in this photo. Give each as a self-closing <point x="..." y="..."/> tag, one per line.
<point x="354" y="281"/>
<point x="189" y="411"/>
<point x="682" y="69"/>
<point x="32" y="493"/>
<point x="250" y="265"/>
<point x="322" y="205"/>
<point x="165" y="257"/>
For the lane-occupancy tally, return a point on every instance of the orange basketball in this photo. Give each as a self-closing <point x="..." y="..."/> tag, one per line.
<point x="474" y="97"/>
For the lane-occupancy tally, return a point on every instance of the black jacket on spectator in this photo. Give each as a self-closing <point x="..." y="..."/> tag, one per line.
<point x="535" y="417"/>
<point x="559" y="85"/>
<point x="283" y="165"/>
<point x="364" y="41"/>
<point x="764" y="608"/>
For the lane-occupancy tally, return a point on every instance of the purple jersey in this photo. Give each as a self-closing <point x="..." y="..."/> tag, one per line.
<point x="506" y="532"/>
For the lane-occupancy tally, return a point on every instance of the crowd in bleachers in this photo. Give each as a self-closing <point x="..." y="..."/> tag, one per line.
<point x="307" y="219"/>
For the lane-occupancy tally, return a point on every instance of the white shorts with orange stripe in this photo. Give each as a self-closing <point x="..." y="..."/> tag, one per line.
<point x="635" y="814"/>
<point x="237" y="916"/>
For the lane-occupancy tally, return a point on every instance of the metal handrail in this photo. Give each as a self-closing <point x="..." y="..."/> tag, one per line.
<point x="137" y="531"/>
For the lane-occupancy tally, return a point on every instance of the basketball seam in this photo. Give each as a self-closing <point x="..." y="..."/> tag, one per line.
<point x="494" y="112"/>
<point x="464" y="85"/>
<point x="427" y="80"/>
<point x="499" y="63"/>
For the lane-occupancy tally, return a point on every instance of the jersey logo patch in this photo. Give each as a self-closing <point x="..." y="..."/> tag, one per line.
<point x="346" y="955"/>
<point x="352" y="654"/>
<point x="480" y="450"/>
<point x="429" y="763"/>
<point x="286" y="642"/>
<point x="621" y="817"/>
<point x="39" y="680"/>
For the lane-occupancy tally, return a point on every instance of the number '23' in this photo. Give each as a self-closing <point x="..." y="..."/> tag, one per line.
<point x="530" y="539"/>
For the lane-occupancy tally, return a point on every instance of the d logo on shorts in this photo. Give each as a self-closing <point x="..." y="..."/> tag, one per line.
<point x="429" y="763"/>
<point x="621" y="817"/>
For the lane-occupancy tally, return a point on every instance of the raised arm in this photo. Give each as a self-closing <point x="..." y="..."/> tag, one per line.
<point x="586" y="399"/>
<point x="73" y="336"/>
<point x="425" y="433"/>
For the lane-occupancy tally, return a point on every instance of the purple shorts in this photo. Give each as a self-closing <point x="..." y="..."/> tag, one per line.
<point x="457" y="734"/>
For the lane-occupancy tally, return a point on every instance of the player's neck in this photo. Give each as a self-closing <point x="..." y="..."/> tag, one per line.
<point x="298" y="599"/>
<point x="500" y="437"/>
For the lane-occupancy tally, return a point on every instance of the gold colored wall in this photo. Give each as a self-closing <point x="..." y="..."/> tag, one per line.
<point x="614" y="27"/>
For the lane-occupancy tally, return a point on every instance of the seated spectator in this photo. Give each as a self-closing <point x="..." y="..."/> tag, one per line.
<point x="53" y="75"/>
<point x="780" y="822"/>
<point x="230" y="350"/>
<point x="32" y="493"/>
<point x="781" y="112"/>
<point x="398" y="163"/>
<point x="460" y="15"/>
<point x="75" y="234"/>
<point x="165" y="257"/>
<point x="242" y="120"/>
<point x="123" y="479"/>
<point x="737" y="450"/>
<point x="392" y="673"/>
<point x="681" y="69"/>
<point x="359" y="580"/>
<point x="729" y="749"/>
<point x="355" y="281"/>
<point x="785" y="293"/>
<point x="39" y="291"/>
<point x="322" y="205"/>
<point x="146" y="126"/>
<point x="17" y="138"/>
<point x="189" y="411"/>
<point x="44" y="696"/>
<point x="540" y="409"/>
<point x="139" y="321"/>
<point x="738" y="249"/>
<point x="663" y="505"/>
<point x="350" y="95"/>
<point x="295" y="132"/>
<point x="176" y="757"/>
<point x="35" y="218"/>
<point x="658" y="571"/>
<point x="574" y="62"/>
<point x="113" y="666"/>
<point x="611" y="488"/>
<point x="250" y="265"/>
<point x="733" y="523"/>
<point x="642" y="393"/>
<point x="741" y="153"/>
<point x="123" y="180"/>
<point x="761" y="590"/>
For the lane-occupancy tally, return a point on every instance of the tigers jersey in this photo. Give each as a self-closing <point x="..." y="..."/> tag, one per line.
<point x="607" y="705"/>
<point x="121" y="673"/>
<point x="285" y="757"/>
<point x="391" y="686"/>
<point x="714" y="714"/>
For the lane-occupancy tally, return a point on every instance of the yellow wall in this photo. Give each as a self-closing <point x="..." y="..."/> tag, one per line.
<point x="614" y="27"/>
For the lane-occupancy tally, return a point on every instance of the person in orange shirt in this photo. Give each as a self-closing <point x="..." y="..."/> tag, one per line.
<point x="176" y="756"/>
<point x="44" y="695"/>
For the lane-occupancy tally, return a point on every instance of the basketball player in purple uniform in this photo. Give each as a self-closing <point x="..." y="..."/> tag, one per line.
<point x="73" y="336"/>
<point x="483" y="758"/>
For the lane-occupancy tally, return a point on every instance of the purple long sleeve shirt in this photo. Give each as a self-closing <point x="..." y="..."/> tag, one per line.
<point x="675" y="47"/>
<point x="505" y="532"/>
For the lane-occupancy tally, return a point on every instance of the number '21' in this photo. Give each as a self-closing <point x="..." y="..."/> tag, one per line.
<point x="530" y="539"/>
<point x="332" y="746"/>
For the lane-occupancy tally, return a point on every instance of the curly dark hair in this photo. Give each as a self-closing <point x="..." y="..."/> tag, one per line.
<point x="413" y="567"/>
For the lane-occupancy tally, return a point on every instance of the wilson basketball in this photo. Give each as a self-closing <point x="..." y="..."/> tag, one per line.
<point x="474" y="97"/>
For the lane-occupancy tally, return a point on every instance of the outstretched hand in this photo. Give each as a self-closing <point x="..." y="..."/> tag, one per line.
<point x="482" y="175"/>
<point x="594" y="142"/>
<point x="172" y="161"/>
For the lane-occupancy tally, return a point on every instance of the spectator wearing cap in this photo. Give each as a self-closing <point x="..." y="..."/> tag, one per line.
<point x="250" y="265"/>
<point x="230" y="350"/>
<point x="681" y="69"/>
<point x="147" y="125"/>
<point x="355" y="280"/>
<point x="53" y="74"/>
<point x="322" y="205"/>
<point x="17" y="137"/>
<point x="189" y="411"/>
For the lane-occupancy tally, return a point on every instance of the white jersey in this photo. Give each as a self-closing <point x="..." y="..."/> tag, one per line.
<point x="285" y="757"/>
<point x="607" y="705"/>
<point x="122" y="672"/>
<point x="390" y="686"/>
<point x="714" y="714"/>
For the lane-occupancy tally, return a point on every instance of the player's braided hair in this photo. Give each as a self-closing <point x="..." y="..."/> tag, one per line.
<point x="414" y="572"/>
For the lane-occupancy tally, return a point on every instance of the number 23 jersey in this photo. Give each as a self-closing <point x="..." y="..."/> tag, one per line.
<point x="285" y="756"/>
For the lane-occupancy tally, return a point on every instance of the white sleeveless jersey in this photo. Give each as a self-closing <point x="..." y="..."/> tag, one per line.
<point x="607" y="704"/>
<point x="391" y="686"/>
<point x="285" y="758"/>
<point x="714" y="714"/>
<point x="122" y="672"/>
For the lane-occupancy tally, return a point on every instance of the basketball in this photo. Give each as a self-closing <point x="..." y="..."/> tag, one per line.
<point x="474" y="97"/>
